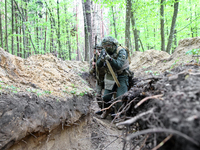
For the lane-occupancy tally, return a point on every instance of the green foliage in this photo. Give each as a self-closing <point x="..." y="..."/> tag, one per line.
<point x="146" y="12"/>
<point x="151" y="72"/>
<point x="73" y="85"/>
<point x="47" y="92"/>
<point x="194" y="52"/>
<point x="38" y="94"/>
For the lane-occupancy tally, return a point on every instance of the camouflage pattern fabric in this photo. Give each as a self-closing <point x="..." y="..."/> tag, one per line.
<point x="117" y="62"/>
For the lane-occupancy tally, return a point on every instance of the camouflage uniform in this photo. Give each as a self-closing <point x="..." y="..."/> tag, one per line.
<point x="119" y="63"/>
<point x="99" y="75"/>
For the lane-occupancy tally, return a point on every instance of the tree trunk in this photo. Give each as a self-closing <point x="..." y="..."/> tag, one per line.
<point x="68" y="37"/>
<point x="87" y="44"/>
<point x="102" y="28"/>
<point x="89" y="25"/>
<point x="53" y="27"/>
<point x="1" y="31"/>
<point x="16" y="30"/>
<point x="28" y="51"/>
<point x="77" y="58"/>
<point x="21" y="49"/>
<point x="169" y="44"/>
<point x="12" y="40"/>
<point x="6" y="25"/>
<point x="114" y="22"/>
<point x="175" y="40"/>
<point x="127" y="26"/>
<point x="162" y="25"/>
<point x="45" y="35"/>
<point x="135" y="32"/>
<point x="196" y="23"/>
<point x="23" y="29"/>
<point x="59" y="45"/>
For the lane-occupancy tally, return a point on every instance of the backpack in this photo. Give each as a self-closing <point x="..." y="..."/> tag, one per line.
<point x="127" y="50"/>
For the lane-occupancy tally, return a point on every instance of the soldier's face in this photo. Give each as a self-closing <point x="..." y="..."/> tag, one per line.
<point x="109" y="48"/>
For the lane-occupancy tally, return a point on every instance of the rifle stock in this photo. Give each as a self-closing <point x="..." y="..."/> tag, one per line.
<point x="112" y="73"/>
<point x="96" y="57"/>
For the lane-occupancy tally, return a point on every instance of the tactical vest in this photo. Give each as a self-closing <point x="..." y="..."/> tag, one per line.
<point x="126" y="63"/>
<point x="108" y="80"/>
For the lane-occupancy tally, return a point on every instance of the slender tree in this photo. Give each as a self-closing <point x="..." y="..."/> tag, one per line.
<point x="17" y="30"/>
<point x="77" y="58"/>
<point x="1" y="31"/>
<point x="170" y="39"/>
<point x="114" y="24"/>
<point x="59" y="44"/>
<point x="6" y="27"/>
<point x="45" y="35"/>
<point x="12" y="40"/>
<point x="162" y="25"/>
<point x="127" y="25"/>
<point x="134" y="29"/>
<point x="87" y="44"/>
<point x="89" y="25"/>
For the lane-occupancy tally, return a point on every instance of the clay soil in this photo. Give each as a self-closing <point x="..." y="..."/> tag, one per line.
<point x="44" y="98"/>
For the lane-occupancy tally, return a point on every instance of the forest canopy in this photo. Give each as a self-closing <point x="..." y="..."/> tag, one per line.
<point x="68" y="28"/>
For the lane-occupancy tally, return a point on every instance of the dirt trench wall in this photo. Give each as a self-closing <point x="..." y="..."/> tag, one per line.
<point x="71" y="137"/>
<point x="24" y="114"/>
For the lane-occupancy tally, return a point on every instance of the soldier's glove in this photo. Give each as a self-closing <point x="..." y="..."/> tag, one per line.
<point x="108" y="57"/>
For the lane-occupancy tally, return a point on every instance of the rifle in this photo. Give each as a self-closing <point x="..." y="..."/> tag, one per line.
<point x="111" y="70"/>
<point x="95" y="57"/>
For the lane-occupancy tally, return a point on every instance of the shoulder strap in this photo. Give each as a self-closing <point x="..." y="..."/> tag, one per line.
<point x="127" y="50"/>
<point x="119" y="48"/>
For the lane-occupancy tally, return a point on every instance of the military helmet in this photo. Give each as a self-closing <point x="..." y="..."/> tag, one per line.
<point x="109" y="40"/>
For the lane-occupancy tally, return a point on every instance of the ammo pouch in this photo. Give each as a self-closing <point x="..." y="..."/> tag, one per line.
<point x="109" y="81"/>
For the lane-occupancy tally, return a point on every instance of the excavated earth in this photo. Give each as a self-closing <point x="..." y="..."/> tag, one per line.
<point x="47" y="103"/>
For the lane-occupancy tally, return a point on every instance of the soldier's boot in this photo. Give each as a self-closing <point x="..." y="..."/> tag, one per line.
<point x="107" y="112"/>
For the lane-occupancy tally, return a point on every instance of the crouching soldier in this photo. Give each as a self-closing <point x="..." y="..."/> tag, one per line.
<point x="98" y="73"/>
<point x="114" y="59"/>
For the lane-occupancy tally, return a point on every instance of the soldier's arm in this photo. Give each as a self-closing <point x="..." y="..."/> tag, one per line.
<point x="119" y="62"/>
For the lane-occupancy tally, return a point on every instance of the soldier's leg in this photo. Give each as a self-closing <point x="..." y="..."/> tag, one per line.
<point x="98" y="96"/>
<point x="107" y="98"/>
<point x="122" y="89"/>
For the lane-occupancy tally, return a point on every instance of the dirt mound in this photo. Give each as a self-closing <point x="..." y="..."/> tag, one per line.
<point x="157" y="62"/>
<point x="147" y="59"/>
<point x="44" y="74"/>
<point x="39" y="96"/>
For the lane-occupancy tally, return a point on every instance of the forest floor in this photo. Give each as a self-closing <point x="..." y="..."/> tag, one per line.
<point x="167" y="87"/>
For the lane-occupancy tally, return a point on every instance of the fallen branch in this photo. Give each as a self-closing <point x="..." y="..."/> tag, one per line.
<point x="123" y="110"/>
<point x="134" y="119"/>
<point x="146" y="98"/>
<point x="163" y="142"/>
<point x="111" y="105"/>
<point x="143" y="143"/>
<point x="160" y="130"/>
